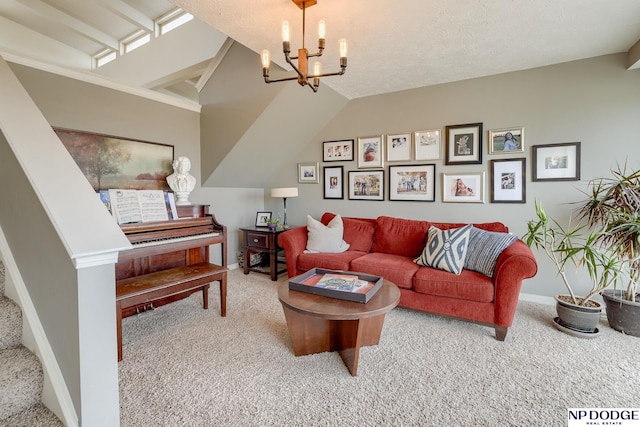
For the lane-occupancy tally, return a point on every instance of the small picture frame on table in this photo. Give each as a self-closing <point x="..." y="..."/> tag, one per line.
<point x="370" y="152"/>
<point x="366" y="185"/>
<point x="463" y="144"/>
<point x="508" y="181"/>
<point x="556" y="162"/>
<point x="427" y="144"/>
<point x="337" y="151"/>
<point x="463" y="188"/>
<point x="399" y="147"/>
<point x="412" y="183"/>
<point x="333" y="182"/>
<point x="262" y="218"/>
<point x="308" y="173"/>
<point x="506" y="141"/>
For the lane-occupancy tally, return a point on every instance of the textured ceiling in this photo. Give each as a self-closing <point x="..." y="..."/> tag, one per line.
<point x="403" y="44"/>
<point x="393" y="45"/>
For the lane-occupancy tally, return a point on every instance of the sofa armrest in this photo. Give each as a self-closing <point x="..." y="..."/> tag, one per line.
<point x="515" y="264"/>
<point x="294" y="242"/>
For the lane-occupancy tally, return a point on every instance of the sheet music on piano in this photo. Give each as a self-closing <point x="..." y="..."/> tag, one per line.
<point x="133" y="206"/>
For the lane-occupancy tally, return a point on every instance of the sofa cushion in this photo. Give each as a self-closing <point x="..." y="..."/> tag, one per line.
<point x="358" y="232"/>
<point x="396" y="268"/>
<point x="488" y="226"/>
<point x="468" y="285"/>
<point x="445" y="249"/>
<point x="405" y="237"/>
<point x="484" y="249"/>
<point x="325" y="238"/>
<point x="339" y="261"/>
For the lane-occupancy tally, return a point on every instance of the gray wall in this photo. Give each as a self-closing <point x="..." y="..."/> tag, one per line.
<point x="74" y="104"/>
<point x="594" y="101"/>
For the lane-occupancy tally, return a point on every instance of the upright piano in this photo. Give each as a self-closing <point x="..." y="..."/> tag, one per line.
<point x="174" y="251"/>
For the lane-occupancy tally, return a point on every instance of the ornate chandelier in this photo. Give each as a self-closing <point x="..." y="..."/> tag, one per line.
<point x="302" y="69"/>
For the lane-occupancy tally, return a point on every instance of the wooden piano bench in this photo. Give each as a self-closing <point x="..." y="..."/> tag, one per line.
<point x="143" y="290"/>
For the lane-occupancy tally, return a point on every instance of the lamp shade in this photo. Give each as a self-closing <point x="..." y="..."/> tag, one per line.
<point x="284" y="192"/>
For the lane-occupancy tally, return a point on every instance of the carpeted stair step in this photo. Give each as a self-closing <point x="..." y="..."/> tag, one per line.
<point x="21" y="381"/>
<point x="34" y="416"/>
<point x="10" y="324"/>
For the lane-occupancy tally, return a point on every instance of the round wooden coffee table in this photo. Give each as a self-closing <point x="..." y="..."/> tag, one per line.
<point x="317" y="323"/>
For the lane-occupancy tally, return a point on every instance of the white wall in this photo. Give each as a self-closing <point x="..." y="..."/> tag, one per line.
<point x="594" y="101"/>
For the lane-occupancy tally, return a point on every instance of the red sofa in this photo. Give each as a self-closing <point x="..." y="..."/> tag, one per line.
<point x="387" y="246"/>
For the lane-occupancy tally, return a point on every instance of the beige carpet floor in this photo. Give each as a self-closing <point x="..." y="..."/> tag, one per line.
<point x="185" y="366"/>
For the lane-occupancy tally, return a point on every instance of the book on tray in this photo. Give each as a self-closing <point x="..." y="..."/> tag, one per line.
<point x="345" y="285"/>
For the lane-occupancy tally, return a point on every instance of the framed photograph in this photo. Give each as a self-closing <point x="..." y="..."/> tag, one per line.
<point x="508" y="181"/>
<point x="427" y="144"/>
<point x="399" y="147"/>
<point x="414" y="183"/>
<point x="463" y="144"/>
<point x="337" y="151"/>
<point x="333" y="182"/>
<point x="115" y="162"/>
<point x="556" y="162"/>
<point x="370" y="152"/>
<point x="366" y="185"/>
<point x="506" y="141"/>
<point x="262" y="218"/>
<point x="463" y="188"/>
<point x="308" y="173"/>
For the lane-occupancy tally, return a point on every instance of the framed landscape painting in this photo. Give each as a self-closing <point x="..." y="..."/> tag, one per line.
<point x="115" y="162"/>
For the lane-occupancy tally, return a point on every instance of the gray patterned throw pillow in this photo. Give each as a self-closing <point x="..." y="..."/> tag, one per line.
<point x="484" y="249"/>
<point x="445" y="249"/>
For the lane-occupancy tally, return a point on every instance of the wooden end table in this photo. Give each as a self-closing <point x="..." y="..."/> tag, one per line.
<point x="263" y="240"/>
<point x="317" y="323"/>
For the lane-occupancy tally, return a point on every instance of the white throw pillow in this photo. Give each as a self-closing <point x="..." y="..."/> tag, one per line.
<point x="325" y="238"/>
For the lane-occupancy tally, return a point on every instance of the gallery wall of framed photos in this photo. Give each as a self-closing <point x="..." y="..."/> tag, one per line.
<point x="414" y="165"/>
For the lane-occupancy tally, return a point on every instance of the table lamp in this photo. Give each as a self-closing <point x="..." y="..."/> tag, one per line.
<point x="284" y="193"/>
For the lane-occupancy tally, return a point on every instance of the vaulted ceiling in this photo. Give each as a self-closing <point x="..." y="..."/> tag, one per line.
<point x="393" y="45"/>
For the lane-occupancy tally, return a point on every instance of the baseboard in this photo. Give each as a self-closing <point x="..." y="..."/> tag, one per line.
<point x="537" y="298"/>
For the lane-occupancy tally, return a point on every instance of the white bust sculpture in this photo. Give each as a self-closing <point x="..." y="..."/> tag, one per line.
<point x="180" y="181"/>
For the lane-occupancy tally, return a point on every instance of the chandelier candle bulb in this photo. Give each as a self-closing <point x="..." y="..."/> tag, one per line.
<point x="266" y="59"/>
<point x="285" y="32"/>
<point x="317" y="70"/>
<point x="343" y="48"/>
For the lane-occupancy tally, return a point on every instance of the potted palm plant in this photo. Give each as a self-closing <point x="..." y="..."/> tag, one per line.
<point x="613" y="206"/>
<point x="576" y="245"/>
